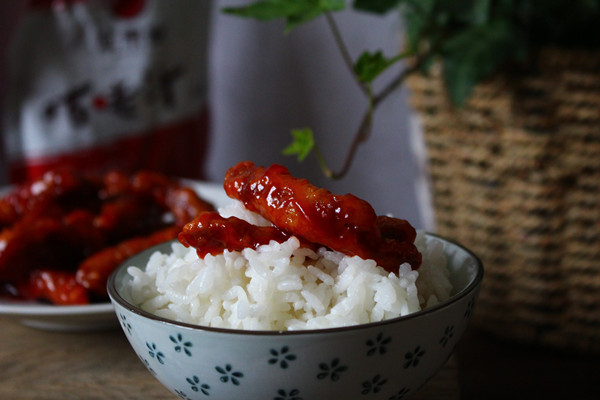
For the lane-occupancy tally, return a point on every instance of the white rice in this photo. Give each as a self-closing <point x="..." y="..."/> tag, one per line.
<point x="281" y="286"/>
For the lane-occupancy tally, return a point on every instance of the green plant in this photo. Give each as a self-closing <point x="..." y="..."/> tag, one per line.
<point x="472" y="39"/>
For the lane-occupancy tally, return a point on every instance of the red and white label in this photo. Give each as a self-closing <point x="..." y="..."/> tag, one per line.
<point x="105" y="84"/>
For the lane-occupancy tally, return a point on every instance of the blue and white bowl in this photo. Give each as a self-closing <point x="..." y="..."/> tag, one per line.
<point x="385" y="360"/>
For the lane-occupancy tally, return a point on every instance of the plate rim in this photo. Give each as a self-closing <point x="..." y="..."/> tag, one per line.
<point x="29" y="308"/>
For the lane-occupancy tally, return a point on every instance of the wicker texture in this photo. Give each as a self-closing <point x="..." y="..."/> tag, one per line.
<point x="516" y="178"/>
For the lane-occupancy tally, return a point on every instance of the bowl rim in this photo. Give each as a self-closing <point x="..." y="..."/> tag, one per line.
<point x="115" y="297"/>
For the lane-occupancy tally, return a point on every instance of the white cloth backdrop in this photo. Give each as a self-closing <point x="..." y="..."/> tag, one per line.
<point x="263" y="83"/>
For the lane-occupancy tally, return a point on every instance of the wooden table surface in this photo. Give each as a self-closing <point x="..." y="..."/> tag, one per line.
<point x="38" y="364"/>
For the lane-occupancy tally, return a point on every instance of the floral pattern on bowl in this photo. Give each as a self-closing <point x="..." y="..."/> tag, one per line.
<point x="386" y="360"/>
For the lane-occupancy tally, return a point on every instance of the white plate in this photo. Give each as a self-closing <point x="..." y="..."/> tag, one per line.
<point x="60" y="318"/>
<point x="93" y="316"/>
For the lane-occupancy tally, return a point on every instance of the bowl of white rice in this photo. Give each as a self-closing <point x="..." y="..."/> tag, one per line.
<point x="287" y="322"/>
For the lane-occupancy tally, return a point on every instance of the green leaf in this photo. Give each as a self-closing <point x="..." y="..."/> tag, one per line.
<point x="302" y="145"/>
<point x="476" y="53"/>
<point x="481" y="11"/>
<point x="419" y="18"/>
<point x="460" y="79"/>
<point x="294" y="12"/>
<point x="376" y="6"/>
<point x="465" y="12"/>
<point x="370" y="65"/>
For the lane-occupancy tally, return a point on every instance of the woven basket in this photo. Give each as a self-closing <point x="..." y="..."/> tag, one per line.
<point x="516" y="178"/>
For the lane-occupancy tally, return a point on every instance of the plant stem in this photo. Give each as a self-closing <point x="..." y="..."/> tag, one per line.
<point x="366" y="125"/>
<point x="363" y="132"/>
<point x="398" y="81"/>
<point x="341" y="45"/>
<point x="323" y="164"/>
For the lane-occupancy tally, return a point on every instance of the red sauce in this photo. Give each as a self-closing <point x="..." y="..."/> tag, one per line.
<point x="77" y="228"/>
<point x="344" y="223"/>
<point x="211" y="233"/>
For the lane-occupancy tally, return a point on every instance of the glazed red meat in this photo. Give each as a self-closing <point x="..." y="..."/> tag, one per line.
<point x="78" y="228"/>
<point x="60" y="188"/>
<point x="344" y="223"/>
<point x="210" y="233"/>
<point x="93" y="272"/>
<point x="57" y="287"/>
